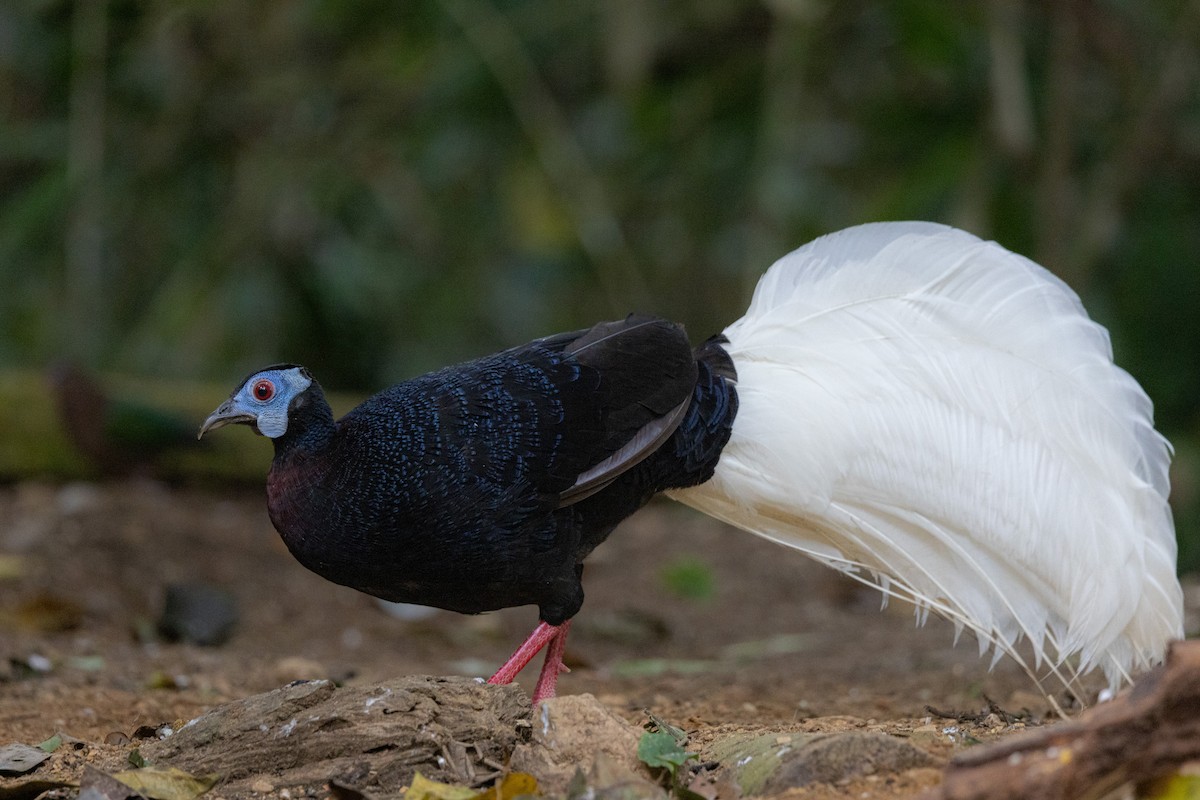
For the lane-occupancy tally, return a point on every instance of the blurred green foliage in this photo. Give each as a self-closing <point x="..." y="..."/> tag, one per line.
<point x="690" y="578"/>
<point x="192" y="189"/>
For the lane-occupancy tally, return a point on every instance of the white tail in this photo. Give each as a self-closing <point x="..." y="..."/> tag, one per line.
<point x="939" y="417"/>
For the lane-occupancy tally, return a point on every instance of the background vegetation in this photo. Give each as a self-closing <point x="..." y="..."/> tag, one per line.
<point x="191" y="189"/>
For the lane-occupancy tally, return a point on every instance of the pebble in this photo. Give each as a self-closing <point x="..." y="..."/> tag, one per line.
<point x="406" y="611"/>
<point x="198" y="613"/>
<point x="39" y="663"/>
<point x="298" y="668"/>
<point x="77" y="498"/>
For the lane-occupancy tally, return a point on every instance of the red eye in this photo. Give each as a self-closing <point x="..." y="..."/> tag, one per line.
<point x="263" y="390"/>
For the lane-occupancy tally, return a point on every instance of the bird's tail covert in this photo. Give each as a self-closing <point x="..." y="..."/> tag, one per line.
<point x="939" y="417"/>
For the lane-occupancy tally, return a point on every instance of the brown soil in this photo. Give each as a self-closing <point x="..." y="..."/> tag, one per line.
<point x="778" y="644"/>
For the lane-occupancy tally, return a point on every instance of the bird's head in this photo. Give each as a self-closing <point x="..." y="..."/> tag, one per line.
<point x="264" y="401"/>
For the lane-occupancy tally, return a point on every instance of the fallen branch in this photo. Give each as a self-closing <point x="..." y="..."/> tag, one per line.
<point x="1146" y="732"/>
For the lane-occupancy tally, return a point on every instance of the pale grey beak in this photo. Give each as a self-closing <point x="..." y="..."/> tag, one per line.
<point x="226" y="414"/>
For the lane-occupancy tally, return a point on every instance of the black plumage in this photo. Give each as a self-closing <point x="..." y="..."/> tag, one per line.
<point x="485" y="485"/>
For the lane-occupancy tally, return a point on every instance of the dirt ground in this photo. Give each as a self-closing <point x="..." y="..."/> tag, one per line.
<point x="705" y="627"/>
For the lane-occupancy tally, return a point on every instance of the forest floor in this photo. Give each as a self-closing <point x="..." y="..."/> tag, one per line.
<point x="709" y="629"/>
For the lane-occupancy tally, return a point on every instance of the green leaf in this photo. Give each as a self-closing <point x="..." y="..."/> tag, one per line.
<point x="659" y="749"/>
<point x="51" y="744"/>
<point x="86" y="663"/>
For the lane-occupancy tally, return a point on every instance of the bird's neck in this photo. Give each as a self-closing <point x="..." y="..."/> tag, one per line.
<point x="310" y="426"/>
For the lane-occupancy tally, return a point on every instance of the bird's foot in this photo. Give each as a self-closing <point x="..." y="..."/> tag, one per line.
<point x="540" y="637"/>
<point x="547" y="680"/>
<point x="544" y="634"/>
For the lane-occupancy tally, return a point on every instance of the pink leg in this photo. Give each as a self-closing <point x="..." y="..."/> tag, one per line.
<point x="548" y="679"/>
<point x="541" y="635"/>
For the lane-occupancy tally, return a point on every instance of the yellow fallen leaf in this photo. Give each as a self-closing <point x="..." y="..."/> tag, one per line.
<point x="1173" y="787"/>
<point x="11" y="567"/>
<point x="422" y="788"/>
<point x="166" y="783"/>
<point x="515" y="784"/>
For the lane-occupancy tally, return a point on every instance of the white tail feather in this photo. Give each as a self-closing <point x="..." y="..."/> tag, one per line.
<point x="939" y="417"/>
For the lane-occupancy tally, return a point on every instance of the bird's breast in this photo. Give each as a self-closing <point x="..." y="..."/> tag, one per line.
<point x="297" y="501"/>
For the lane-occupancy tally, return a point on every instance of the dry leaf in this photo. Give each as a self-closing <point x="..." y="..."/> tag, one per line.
<point x="97" y="785"/>
<point x="166" y="783"/>
<point x="17" y="759"/>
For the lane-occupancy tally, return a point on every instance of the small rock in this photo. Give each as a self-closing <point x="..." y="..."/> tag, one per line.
<point x="406" y="611"/>
<point x="847" y="755"/>
<point x="298" y="668"/>
<point x="77" y="498"/>
<point x="610" y="779"/>
<point x="262" y="786"/>
<point x="46" y="612"/>
<point x="198" y="613"/>
<point x="352" y="638"/>
<point x="761" y="764"/>
<point x="39" y="663"/>
<point x="570" y="732"/>
<point x="927" y="735"/>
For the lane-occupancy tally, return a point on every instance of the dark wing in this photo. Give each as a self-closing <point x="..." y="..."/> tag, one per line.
<point x="647" y="372"/>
